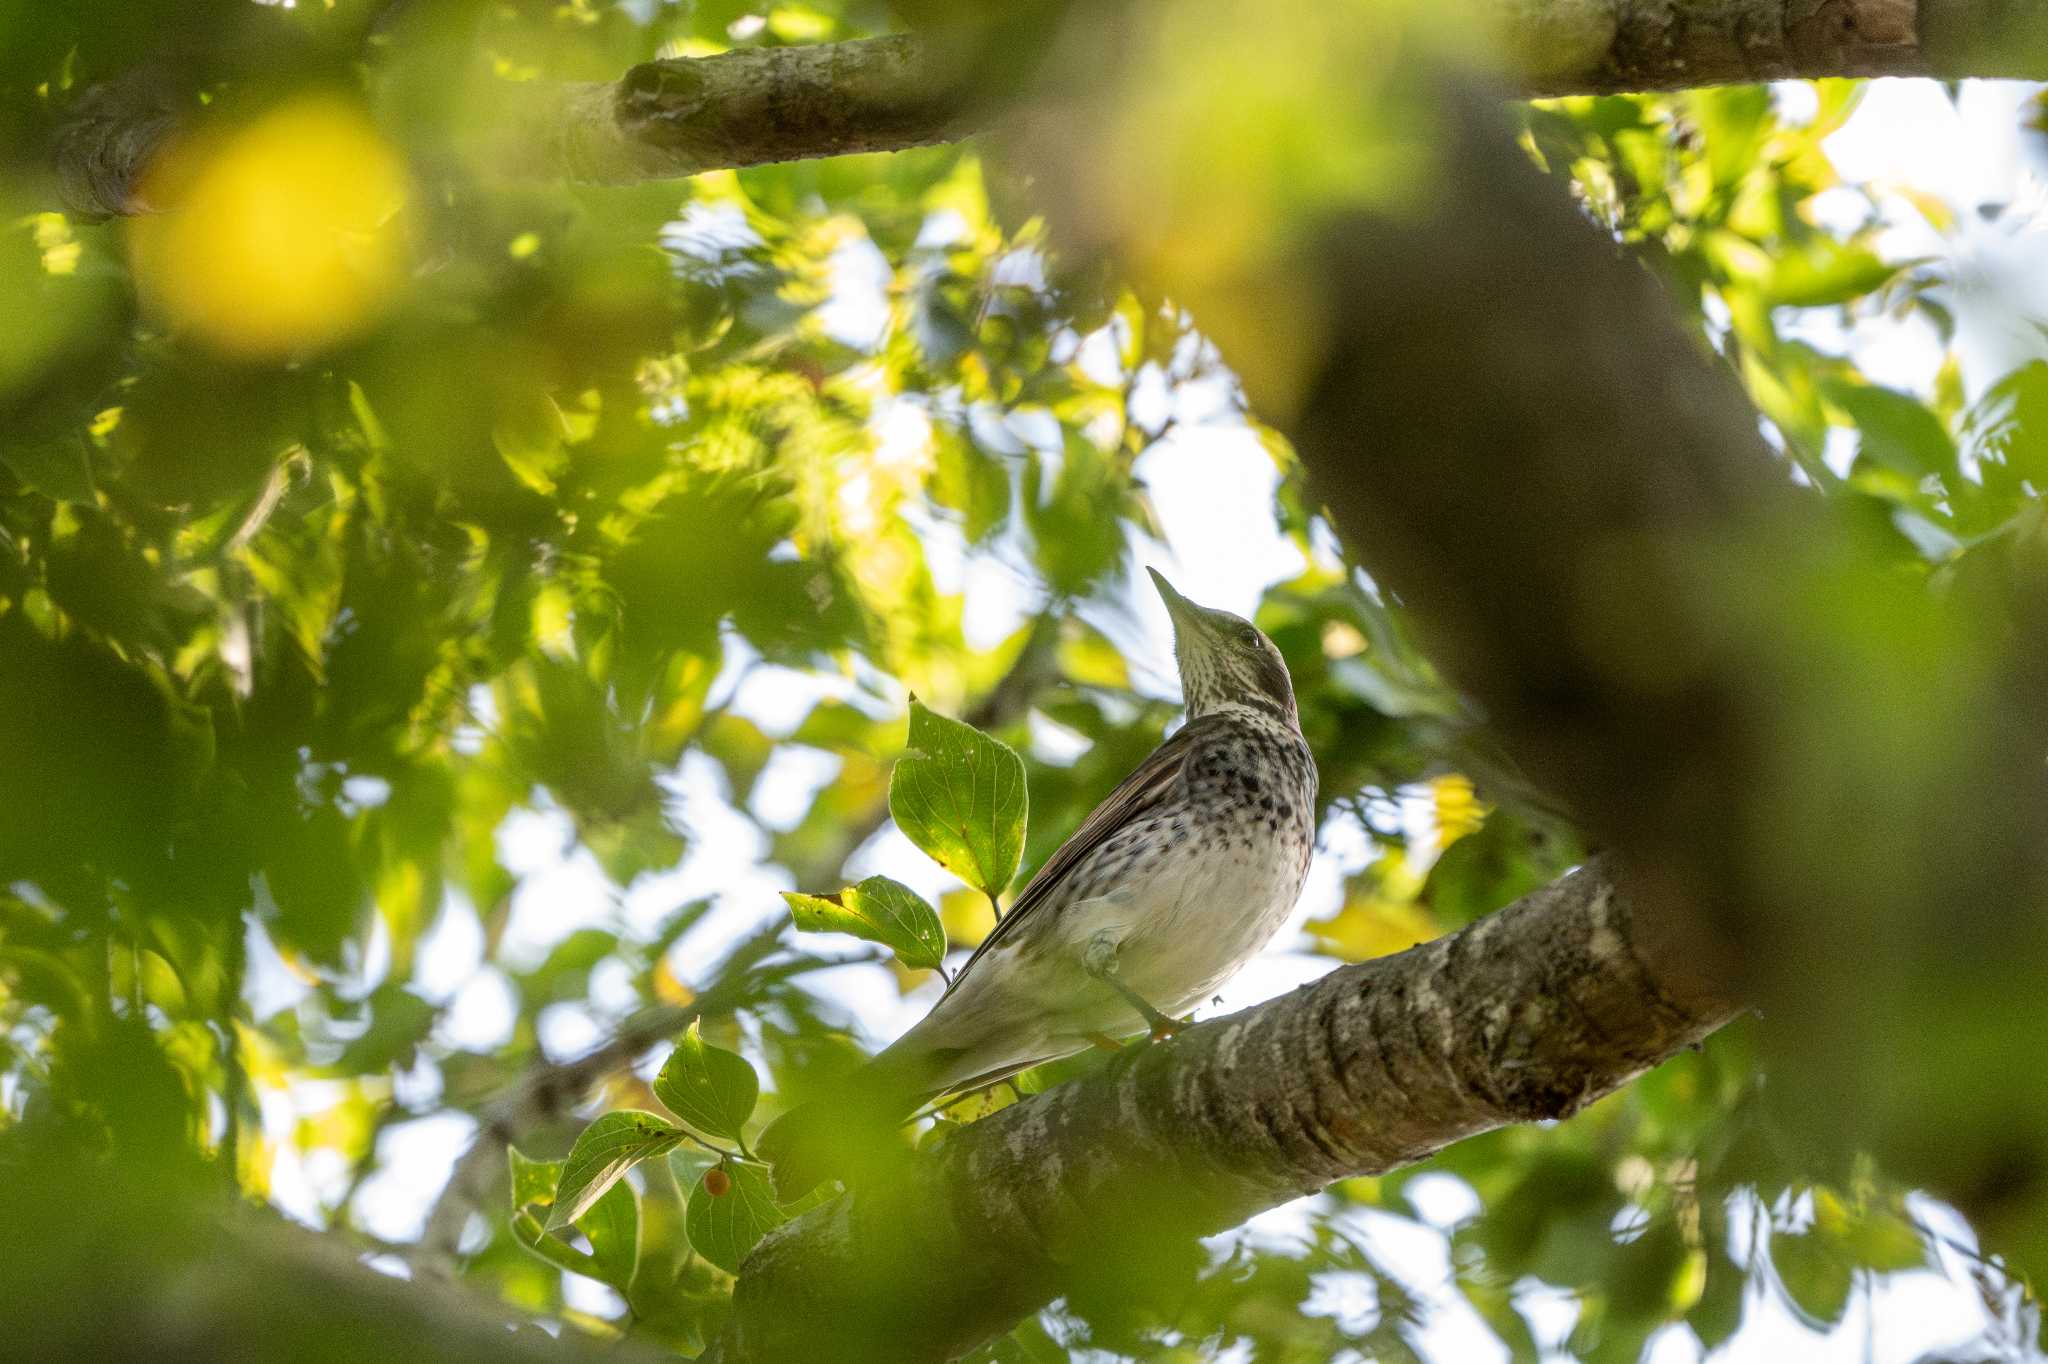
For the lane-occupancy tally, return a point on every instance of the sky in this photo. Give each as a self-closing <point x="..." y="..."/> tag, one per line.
<point x="1201" y="479"/>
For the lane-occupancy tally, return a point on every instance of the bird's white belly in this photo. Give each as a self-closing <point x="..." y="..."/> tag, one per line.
<point x="1205" y="920"/>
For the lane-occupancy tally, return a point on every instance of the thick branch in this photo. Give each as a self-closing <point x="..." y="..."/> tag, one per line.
<point x="675" y="118"/>
<point x="1529" y="1014"/>
<point x="1809" y="759"/>
<point x="668" y="119"/>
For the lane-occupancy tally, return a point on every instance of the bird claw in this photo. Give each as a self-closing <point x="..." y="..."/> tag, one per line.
<point x="1164" y="1027"/>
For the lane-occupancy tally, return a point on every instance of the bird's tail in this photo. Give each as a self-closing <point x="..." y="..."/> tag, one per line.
<point x="848" y="1131"/>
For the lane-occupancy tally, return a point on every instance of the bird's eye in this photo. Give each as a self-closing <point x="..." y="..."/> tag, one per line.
<point x="1248" y="634"/>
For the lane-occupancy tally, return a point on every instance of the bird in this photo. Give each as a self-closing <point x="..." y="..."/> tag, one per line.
<point x="1176" y="880"/>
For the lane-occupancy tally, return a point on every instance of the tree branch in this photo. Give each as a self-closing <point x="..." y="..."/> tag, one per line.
<point x="1827" y="776"/>
<point x="202" y="1280"/>
<point x="668" y="119"/>
<point x="680" y="117"/>
<point x="1532" y="1013"/>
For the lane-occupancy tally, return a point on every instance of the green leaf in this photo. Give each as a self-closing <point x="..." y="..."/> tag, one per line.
<point x="959" y="795"/>
<point x="528" y="1232"/>
<point x="1878" y="1238"/>
<point x="613" y="1226"/>
<point x="878" y="910"/>
<point x="609" y="1147"/>
<point x="56" y="468"/>
<point x="533" y="1181"/>
<point x="2010" y="422"/>
<point x="724" y="1227"/>
<point x="710" y="1088"/>
<point x="1816" y="1278"/>
<point x="1898" y="430"/>
<point x="1825" y="271"/>
<point x="1719" y="1311"/>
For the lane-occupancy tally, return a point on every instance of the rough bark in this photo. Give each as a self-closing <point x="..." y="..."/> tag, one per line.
<point x="1530" y="1014"/>
<point x="1603" y="47"/>
<point x="669" y="119"/>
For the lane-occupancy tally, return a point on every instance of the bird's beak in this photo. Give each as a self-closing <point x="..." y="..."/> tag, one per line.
<point x="1184" y="613"/>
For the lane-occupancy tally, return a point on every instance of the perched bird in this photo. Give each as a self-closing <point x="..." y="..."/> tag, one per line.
<point x="1173" y="883"/>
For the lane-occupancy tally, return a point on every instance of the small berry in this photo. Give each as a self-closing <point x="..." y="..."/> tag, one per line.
<point x="717" y="1183"/>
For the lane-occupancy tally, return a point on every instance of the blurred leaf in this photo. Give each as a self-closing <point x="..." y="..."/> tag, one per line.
<point x="1825" y="271"/>
<point x="317" y="884"/>
<point x="1719" y="1310"/>
<point x="2010" y="422"/>
<point x="710" y="1088"/>
<point x="1898" y="430"/>
<point x="1815" y="1276"/>
<point x="959" y="795"/>
<point x="1505" y="859"/>
<point x="1370" y="924"/>
<point x="398" y="1023"/>
<point x="966" y="916"/>
<point x="286" y="234"/>
<point x="56" y="467"/>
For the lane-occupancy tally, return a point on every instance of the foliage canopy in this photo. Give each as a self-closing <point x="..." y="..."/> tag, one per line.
<point x="372" y="528"/>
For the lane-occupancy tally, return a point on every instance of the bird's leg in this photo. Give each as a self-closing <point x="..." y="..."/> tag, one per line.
<point x="1098" y="959"/>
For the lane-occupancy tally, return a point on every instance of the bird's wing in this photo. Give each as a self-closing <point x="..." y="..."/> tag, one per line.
<point x="1155" y="780"/>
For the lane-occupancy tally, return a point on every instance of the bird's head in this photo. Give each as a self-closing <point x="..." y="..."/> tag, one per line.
<point x="1225" y="660"/>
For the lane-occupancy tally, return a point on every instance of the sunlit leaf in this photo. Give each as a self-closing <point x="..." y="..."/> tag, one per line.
<point x="959" y="795"/>
<point x="533" y="1181"/>
<point x="710" y="1088"/>
<point x="610" y="1146"/>
<point x="878" y="910"/>
<point x="282" y="234"/>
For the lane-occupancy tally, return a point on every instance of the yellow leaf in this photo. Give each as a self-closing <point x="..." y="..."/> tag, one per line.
<point x="283" y="235"/>
<point x="1374" y="926"/>
<point x="1458" y="810"/>
<point x="554" y="616"/>
<point x="668" y="988"/>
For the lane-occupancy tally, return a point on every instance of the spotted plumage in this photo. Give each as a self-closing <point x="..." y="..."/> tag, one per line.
<point x="1176" y="880"/>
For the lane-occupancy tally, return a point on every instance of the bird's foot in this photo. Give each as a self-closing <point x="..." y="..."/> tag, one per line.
<point x="1103" y="1041"/>
<point x="1165" y="1026"/>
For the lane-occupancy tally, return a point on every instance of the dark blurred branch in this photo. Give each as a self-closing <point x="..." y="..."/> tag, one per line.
<point x="679" y="117"/>
<point x="1528" y="1015"/>
<point x="1828" y="778"/>
<point x="187" y="1278"/>
<point x="109" y="139"/>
